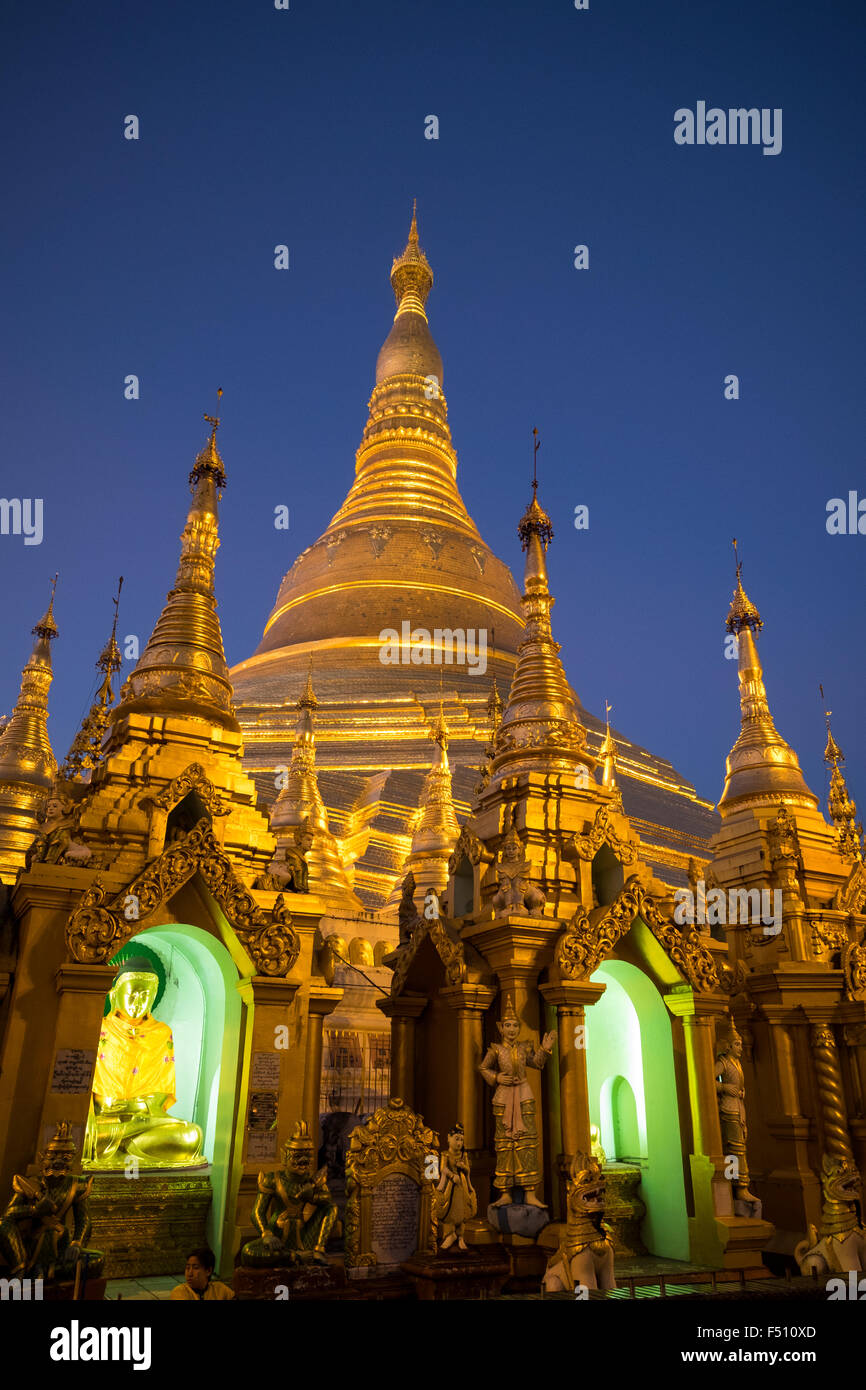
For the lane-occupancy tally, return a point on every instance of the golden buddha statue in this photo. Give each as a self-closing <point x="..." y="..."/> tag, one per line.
<point x="134" y="1083"/>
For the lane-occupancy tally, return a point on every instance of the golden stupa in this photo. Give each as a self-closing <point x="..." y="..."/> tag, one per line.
<point x="403" y="554"/>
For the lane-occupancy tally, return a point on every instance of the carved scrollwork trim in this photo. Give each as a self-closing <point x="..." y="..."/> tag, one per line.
<point x="854" y="966"/>
<point x="587" y="940"/>
<point x="99" y="926"/>
<point x="851" y="897"/>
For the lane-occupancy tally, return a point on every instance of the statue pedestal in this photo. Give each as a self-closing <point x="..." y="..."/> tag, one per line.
<point x="464" y="1274"/>
<point x="623" y="1209"/>
<point x="149" y="1224"/>
<point x="518" y="1219"/>
<point x="290" y="1282"/>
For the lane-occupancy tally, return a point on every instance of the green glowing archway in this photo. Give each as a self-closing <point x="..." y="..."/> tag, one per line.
<point x="202" y="1006"/>
<point x="633" y="1098"/>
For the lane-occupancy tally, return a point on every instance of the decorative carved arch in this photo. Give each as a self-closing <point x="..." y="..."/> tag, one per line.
<point x="590" y="937"/>
<point x="193" y="778"/>
<point x="449" y="949"/>
<point x="601" y="833"/>
<point x="99" y="926"/>
<point x="469" y="846"/>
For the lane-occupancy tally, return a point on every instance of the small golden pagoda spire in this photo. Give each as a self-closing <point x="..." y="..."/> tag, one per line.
<point x="608" y="751"/>
<point x="27" y="763"/>
<point x="843" y="810"/>
<point x="761" y="768"/>
<point x="183" y="667"/>
<point x="86" y="749"/>
<point x="540" y="727"/>
<point x="299" y="809"/>
<point x="437" y="830"/>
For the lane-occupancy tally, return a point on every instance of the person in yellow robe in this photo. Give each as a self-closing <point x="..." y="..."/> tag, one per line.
<point x="134" y="1082"/>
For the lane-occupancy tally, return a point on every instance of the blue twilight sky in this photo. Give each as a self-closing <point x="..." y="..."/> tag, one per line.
<point x="306" y="127"/>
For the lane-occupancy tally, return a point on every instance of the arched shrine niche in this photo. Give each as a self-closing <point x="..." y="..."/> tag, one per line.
<point x="633" y="1098"/>
<point x="202" y="1006"/>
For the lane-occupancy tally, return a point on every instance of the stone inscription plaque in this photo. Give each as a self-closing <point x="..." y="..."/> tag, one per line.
<point x="265" y="1071"/>
<point x="395" y="1216"/>
<point x="261" y="1144"/>
<point x="73" y="1071"/>
<point x="263" y="1110"/>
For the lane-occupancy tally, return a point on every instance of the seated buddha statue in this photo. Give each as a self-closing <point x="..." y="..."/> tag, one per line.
<point x="134" y="1083"/>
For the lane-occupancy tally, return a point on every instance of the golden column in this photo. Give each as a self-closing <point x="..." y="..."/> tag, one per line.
<point x="828" y="1078"/>
<point x="322" y="1000"/>
<point x="404" y="1013"/>
<point x="470" y="1002"/>
<point x="571" y="999"/>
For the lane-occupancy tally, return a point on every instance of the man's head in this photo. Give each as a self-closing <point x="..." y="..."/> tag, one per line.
<point x="135" y="988"/>
<point x="199" y="1268"/>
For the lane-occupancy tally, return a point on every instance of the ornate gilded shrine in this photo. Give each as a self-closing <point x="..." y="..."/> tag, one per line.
<point x="156" y="856"/>
<point x="553" y="931"/>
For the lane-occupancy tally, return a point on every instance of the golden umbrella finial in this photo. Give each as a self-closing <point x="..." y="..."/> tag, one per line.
<point x="214" y="420"/>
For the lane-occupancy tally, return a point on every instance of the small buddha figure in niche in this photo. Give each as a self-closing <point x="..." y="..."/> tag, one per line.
<point x="516" y="1134"/>
<point x="134" y="1083"/>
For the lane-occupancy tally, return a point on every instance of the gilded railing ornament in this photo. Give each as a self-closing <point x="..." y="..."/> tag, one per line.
<point x="828" y="936"/>
<point x="193" y="778"/>
<point x="99" y="925"/>
<point x="854" y="968"/>
<point x="586" y="847"/>
<point x="851" y="897"/>
<point x="588" y="939"/>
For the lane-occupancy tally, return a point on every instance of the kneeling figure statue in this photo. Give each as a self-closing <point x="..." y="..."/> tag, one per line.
<point x="294" y="1212"/>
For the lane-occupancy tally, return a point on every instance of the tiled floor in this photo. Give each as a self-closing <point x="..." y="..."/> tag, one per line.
<point x="158" y="1287"/>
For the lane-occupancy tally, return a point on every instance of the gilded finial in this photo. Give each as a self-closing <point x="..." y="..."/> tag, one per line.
<point x="308" y="698"/>
<point x="535" y="520"/>
<point x="86" y="749"/>
<point x="411" y="275"/>
<point x="743" y="612"/>
<point x="208" y="461"/>
<point x="47" y="627"/>
<point x="843" y="809"/>
<point x="608" y="750"/>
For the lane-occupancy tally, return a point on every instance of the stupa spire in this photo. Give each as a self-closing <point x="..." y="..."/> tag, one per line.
<point x="540" y="727"/>
<point x="183" y="667"/>
<point x="761" y="768"/>
<point x="27" y="763"/>
<point x="843" y="810"/>
<point x="299" y="809"/>
<point x="437" y="829"/>
<point x="86" y="747"/>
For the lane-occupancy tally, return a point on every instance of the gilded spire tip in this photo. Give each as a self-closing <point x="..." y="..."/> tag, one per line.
<point x="47" y="627"/>
<point x="743" y="612"/>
